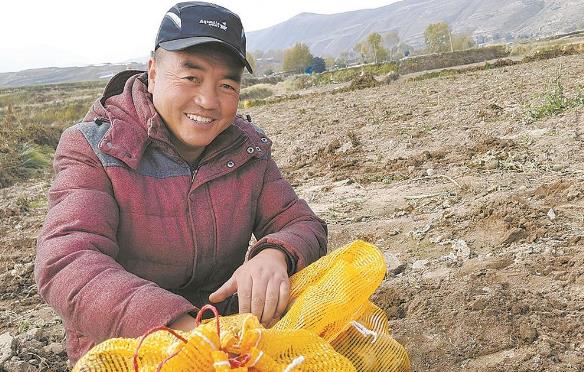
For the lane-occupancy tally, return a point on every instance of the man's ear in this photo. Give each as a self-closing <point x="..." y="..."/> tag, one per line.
<point x="151" y="74"/>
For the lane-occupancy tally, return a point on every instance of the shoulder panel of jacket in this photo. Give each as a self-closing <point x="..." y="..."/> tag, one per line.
<point x="94" y="132"/>
<point x="153" y="163"/>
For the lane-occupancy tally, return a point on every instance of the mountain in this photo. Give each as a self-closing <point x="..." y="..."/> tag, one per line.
<point x="486" y="20"/>
<point x="53" y="75"/>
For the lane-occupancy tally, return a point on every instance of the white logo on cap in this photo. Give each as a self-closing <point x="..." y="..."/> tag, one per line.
<point x="174" y="18"/>
<point x="221" y="25"/>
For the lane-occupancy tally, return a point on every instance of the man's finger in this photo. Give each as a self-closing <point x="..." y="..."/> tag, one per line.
<point x="283" y="298"/>
<point x="271" y="302"/>
<point x="244" y="287"/>
<point x="258" y="297"/>
<point x="227" y="289"/>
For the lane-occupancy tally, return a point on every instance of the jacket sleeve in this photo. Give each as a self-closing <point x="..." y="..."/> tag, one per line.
<point x="287" y="222"/>
<point x="76" y="270"/>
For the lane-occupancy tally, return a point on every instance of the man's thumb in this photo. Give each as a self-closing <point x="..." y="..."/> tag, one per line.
<point x="226" y="290"/>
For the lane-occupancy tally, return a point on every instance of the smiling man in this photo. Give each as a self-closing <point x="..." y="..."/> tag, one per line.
<point x="158" y="192"/>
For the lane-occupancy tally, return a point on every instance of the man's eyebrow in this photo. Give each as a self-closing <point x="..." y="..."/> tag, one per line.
<point x="231" y="75"/>
<point x="192" y="66"/>
<point x="234" y="75"/>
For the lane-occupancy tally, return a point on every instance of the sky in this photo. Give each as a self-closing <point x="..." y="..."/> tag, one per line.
<point x="60" y="33"/>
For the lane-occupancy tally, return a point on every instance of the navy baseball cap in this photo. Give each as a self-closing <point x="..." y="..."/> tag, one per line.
<point x="193" y="23"/>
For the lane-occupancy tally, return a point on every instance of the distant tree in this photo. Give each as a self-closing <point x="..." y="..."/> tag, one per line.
<point x="438" y="37"/>
<point x="252" y="61"/>
<point x="374" y="41"/>
<point x="329" y="62"/>
<point x="481" y="39"/>
<point x="382" y="55"/>
<point x="276" y="54"/>
<point x="402" y="50"/>
<point x="297" y="58"/>
<point x="390" y="39"/>
<point x="343" y="59"/>
<point x="463" y="42"/>
<point x="258" y="53"/>
<point x="318" y="65"/>
<point x="362" y="50"/>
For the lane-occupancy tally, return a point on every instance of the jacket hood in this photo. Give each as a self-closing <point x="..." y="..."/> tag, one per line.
<point x="127" y="105"/>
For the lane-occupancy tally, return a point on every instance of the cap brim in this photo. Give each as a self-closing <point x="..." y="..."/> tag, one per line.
<point x="181" y="44"/>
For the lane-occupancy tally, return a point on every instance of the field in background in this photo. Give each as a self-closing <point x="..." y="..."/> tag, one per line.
<point x="271" y="90"/>
<point x="470" y="180"/>
<point x="31" y="122"/>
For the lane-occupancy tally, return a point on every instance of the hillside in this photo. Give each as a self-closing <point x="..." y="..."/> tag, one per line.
<point x="57" y="75"/>
<point x="493" y="20"/>
<point x="488" y="21"/>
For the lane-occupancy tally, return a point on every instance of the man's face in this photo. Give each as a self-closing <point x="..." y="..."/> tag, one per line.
<point x="196" y="94"/>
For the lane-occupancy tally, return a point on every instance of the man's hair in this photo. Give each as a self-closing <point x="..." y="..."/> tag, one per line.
<point x="212" y="50"/>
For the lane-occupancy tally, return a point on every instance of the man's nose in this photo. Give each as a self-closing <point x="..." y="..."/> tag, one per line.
<point x="207" y="97"/>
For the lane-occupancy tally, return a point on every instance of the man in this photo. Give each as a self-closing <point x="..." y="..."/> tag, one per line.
<point x="159" y="190"/>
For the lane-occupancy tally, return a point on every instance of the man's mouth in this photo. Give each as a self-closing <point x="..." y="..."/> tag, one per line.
<point x="199" y="119"/>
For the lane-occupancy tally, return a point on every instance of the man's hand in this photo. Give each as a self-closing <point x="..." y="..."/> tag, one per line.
<point x="261" y="284"/>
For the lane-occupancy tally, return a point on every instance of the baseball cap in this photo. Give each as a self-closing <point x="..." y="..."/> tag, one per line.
<point x="193" y="23"/>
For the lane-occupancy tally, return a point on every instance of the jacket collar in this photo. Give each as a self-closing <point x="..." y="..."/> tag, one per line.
<point x="127" y="105"/>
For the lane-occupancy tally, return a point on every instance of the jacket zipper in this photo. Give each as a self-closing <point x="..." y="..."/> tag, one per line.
<point x="192" y="229"/>
<point x="193" y="177"/>
<point x="192" y="225"/>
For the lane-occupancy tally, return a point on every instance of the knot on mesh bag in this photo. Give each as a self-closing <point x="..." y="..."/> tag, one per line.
<point x="178" y="336"/>
<point x="330" y="325"/>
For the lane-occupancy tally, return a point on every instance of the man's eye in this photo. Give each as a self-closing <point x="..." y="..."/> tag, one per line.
<point x="191" y="78"/>
<point x="227" y="86"/>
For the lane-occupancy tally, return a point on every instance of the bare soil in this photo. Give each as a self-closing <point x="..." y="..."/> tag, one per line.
<point x="477" y="209"/>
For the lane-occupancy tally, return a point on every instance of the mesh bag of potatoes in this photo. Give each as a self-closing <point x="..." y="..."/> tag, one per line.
<point x="330" y="326"/>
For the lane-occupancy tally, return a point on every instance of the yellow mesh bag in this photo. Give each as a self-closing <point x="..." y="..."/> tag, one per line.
<point x="330" y="325"/>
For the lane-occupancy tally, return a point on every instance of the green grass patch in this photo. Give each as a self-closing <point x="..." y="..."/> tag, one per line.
<point x="24" y="161"/>
<point x="554" y="101"/>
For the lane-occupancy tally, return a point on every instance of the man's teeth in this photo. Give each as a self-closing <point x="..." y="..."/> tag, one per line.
<point x="199" y="118"/>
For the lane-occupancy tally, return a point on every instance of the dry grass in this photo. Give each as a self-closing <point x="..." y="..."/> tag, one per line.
<point x="31" y="122"/>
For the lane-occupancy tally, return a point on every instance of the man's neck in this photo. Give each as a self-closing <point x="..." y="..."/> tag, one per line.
<point x="190" y="155"/>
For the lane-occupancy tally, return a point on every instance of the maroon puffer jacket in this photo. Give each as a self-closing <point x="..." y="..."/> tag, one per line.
<point x="133" y="238"/>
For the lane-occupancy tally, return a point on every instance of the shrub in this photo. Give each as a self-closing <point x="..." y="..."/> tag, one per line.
<point x="298" y="82"/>
<point x="367" y="80"/>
